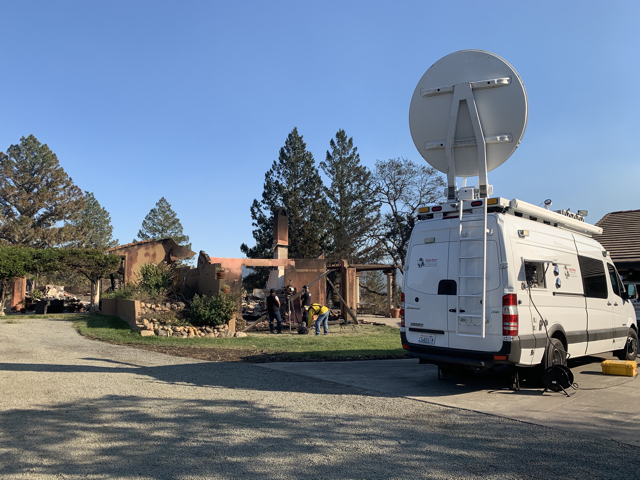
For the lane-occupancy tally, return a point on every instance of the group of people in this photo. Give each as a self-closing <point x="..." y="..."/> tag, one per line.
<point x="316" y="313"/>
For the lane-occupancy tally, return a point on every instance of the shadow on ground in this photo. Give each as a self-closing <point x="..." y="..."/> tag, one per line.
<point x="120" y="436"/>
<point x="130" y="436"/>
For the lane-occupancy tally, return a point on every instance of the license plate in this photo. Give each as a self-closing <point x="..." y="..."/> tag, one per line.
<point x="427" y="339"/>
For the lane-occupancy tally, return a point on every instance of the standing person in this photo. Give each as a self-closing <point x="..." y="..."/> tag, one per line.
<point x="305" y="301"/>
<point x="320" y="315"/>
<point x="273" y="309"/>
<point x="306" y="297"/>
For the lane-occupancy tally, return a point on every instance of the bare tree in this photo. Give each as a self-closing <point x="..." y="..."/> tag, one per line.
<point x="402" y="187"/>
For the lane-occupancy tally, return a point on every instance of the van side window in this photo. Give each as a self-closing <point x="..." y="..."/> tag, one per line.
<point x="615" y="283"/>
<point x="593" y="277"/>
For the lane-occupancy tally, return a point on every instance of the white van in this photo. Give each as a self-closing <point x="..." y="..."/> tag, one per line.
<point x="491" y="281"/>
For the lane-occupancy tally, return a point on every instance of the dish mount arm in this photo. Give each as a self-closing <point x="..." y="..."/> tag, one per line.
<point x="464" y="92"/>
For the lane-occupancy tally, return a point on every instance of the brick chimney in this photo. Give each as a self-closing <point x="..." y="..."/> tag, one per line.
<point x="280" y="234"/>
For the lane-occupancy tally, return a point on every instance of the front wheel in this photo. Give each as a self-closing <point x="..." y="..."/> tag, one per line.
<point x="630" y="350"/>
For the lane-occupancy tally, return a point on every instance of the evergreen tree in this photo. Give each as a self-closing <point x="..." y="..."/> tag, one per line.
<point x="95" y="225"/>
<point x="354" y="209"/>
<point x="39" y="204"/>
<point x="292" y="182"/>
<point x="162" y="222"/>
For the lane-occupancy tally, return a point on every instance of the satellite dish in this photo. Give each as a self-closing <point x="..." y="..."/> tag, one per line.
<point x="468" y="115"/>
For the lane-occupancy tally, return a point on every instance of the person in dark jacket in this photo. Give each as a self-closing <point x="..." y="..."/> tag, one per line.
<point x="273" y="309"/>
<point x="305" y="302"/>
<point x="305" y="298"/>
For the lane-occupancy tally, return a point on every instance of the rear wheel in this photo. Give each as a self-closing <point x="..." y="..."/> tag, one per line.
<point x="630" y="350"/>
<point x="555" y="354"/>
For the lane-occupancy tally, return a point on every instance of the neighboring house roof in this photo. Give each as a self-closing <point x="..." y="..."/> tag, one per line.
<point x="621" y="236"/>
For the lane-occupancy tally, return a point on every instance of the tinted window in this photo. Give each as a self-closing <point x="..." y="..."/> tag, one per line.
<point x="615" y="282"/>
<point x="447" y="287"/>
<point x="593" y="277"/>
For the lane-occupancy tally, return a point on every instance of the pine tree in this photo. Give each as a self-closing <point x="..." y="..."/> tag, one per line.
<point x="162" y="222"/>
<point x="354" y="210"/>
<point x="94" y="225"/>
<point x="292" y="182"/>
<point x="39" y="204"/>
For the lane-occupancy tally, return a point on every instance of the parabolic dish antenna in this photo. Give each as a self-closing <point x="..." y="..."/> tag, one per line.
<point x="468" y="115"/>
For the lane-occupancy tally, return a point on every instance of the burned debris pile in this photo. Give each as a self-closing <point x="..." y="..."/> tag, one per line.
<point x="51" y="299"/>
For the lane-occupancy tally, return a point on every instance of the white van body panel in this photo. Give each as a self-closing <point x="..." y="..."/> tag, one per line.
<point x="562" y="306"/>
<point x="586" y="324"/>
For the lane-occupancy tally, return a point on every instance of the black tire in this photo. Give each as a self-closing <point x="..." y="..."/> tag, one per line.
<point x="555" y="354"/>
<point x="630" y="350"/>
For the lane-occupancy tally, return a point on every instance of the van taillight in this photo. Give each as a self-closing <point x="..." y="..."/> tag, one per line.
<point x="402" y="309"/>
<point x="510" y="315"/>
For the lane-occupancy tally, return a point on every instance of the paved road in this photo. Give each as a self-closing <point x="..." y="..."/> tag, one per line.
<point x="75" y="408"/>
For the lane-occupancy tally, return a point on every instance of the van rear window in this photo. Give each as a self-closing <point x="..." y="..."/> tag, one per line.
<point x="593" y="277"/>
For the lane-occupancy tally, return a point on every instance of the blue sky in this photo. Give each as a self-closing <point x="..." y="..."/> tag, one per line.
<point x="192" y="100"/>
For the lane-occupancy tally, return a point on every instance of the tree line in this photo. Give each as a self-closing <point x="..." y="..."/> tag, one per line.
<point x="348" y="212"/>
<point x="42" y="209"/>
<point x="351" y="213"/>
<point x="21" y="261"/>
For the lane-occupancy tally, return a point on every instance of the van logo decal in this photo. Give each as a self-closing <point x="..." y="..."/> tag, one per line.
<point x="427" y="262"/>
<point x="417" y="325"/>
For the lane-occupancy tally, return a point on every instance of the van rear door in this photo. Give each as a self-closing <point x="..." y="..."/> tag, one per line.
<point x="425" y="296"/>
<point x="466" y="332"/>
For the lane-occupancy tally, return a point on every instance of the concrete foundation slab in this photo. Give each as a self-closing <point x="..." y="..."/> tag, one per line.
<point x="604" y="406"/>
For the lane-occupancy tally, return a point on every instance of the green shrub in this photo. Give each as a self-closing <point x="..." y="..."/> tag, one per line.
<point x="240" y="324"/>
<point x="36" y="295"/>
<point x="126" y="292"/>
<point x="212" y="311"/>
<point x="134" y="292"/>
<point x="156" y="280"/>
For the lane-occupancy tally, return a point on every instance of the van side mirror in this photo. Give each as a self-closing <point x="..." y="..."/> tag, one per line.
<point x="632" y="293"/>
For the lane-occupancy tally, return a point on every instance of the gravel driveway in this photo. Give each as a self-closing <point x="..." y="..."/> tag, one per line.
<point x="77" y="408"/>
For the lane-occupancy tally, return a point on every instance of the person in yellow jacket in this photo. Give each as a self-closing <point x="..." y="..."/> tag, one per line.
<point x="320" y="315"/>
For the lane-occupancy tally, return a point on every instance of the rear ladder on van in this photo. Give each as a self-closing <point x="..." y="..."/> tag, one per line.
<point x="463" y="287"/>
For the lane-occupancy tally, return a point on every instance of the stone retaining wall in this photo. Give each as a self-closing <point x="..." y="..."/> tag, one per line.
<point x="147" y="318"/>
<point x="150" y="328"/>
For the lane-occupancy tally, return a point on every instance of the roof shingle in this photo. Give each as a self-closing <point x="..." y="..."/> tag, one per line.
<point x="621" y="235"/>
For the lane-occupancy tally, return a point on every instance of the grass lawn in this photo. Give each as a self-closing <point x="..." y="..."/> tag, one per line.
<point x="369" y="342"/>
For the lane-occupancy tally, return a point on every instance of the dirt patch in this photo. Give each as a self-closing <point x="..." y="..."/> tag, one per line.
<point x="250" y="355"/>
